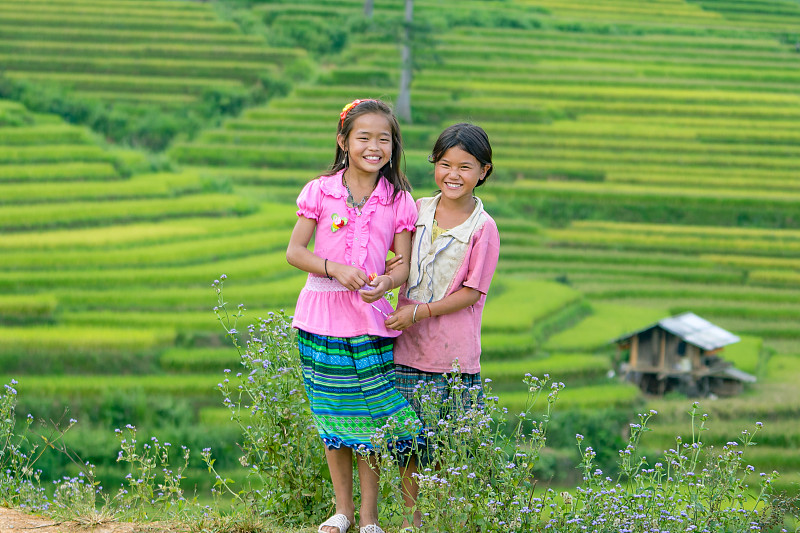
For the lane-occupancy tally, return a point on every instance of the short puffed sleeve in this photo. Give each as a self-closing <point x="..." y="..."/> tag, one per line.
<point x="309" y="202"/>
<point x="483" y="257"/>
<point x="405" y="212"/>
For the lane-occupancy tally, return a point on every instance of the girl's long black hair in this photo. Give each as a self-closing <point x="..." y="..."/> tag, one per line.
<point x="470" y="138"/>
<point x="391" y="170"/>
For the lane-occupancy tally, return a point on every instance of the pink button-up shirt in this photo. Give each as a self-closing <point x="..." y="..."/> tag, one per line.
<point x="360" y="239"/>
<point x="432" y="344"/>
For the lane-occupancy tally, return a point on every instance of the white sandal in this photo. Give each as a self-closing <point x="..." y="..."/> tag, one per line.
<point x="371" y="528"/>
<point x="338" y="521"/>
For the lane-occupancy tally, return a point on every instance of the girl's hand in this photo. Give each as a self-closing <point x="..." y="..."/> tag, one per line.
<point x="381" y="283"/>
<point x="350" y="277"/>
<point x="401" y="318"/>
<point x="393" y="263"/>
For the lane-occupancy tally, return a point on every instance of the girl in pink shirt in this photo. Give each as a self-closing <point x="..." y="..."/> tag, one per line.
<point x="454" y="255"/>
<point x="359" y="210"/>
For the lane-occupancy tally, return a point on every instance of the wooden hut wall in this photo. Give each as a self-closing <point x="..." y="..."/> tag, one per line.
<point x="648" y="348"/>
<point x="675" y="359"/>
<point x="694" y="352"/>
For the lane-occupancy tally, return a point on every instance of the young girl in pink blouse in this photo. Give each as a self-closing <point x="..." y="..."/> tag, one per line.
<point x="454" y="255"/>
<point x="359" y="210"/>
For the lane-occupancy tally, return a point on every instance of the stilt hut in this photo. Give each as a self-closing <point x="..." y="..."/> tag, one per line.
<point x="681" y="353"/>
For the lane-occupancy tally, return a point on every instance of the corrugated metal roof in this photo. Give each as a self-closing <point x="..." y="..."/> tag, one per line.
<point x="692" y="329"/>
<point x="740" y="375"/>
<point x="698" y="331"/>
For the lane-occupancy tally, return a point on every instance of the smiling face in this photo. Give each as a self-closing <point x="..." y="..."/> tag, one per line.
<point x="457" y="173"/>
<point x="369" y="144"/>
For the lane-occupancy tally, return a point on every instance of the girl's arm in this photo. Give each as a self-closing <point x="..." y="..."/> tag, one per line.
<point x="396" y="276"/>
<point x="298" y="255"/>
<point x="404" y="316"/>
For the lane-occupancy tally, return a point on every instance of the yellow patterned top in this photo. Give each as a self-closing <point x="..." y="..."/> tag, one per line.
<point x="436" y="231"/>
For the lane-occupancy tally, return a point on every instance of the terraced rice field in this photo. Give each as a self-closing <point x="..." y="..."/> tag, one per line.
<point x="165" y="54"/>
<point x="645" y="165"/>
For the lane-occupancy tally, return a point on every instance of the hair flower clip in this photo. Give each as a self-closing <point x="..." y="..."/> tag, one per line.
<point x="338" y="222"/>
<point x="346" y="109"/>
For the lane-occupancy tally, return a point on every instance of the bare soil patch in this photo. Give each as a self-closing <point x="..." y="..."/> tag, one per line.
<point x="13" y="520"/>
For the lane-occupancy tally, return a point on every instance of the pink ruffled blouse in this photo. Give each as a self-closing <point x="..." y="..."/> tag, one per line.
<point x="361" y="239"/>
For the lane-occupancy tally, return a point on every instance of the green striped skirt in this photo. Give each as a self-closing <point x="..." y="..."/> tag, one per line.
<point x="349" y="382"/>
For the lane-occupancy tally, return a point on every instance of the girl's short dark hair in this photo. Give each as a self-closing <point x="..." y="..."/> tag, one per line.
<point x="470" y="138"/>
<point x="391" y="170"/>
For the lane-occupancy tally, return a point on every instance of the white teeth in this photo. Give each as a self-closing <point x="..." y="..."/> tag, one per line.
<point x="453" y="185"/>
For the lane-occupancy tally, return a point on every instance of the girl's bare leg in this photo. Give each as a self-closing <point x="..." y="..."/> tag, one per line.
<point x="340" y="463"/>
<point x="368" y="476"/>
<point x="410" y="490"/>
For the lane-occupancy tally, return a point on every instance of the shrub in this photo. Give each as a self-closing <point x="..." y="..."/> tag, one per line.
<point x="266" y="399"/>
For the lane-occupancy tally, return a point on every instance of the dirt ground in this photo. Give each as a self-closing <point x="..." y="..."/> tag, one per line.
<point x="12" y="520"/>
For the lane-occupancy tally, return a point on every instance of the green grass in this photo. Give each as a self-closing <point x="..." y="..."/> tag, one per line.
<point x="185" y="323"/>
<point x="49" y="154"/>
<point x="569" y="368"/>
<point x="608" y="322"/>
<point x="763" y="401"/>
<point x="502" y="345"/>
<point x="208" y="360"/>
<point x="279" y="293"/>
<point x="27" y="308"/>
<point x="196" y="68"/>
<point x="201" y="250"/>
<point x="264" y="266"/>
<point x="521" y="302"/>
<point x="125" y="235"/>
<point x="26" y="173"/>
<point x="81" y="340"/>
<point x="141" y="186"/>
<point x="46" y="134"/>
<point x="87" y="213"/>
<point x="781" y="367"/>
<point x="180" y="385"/>
<point x="590" y="397"/>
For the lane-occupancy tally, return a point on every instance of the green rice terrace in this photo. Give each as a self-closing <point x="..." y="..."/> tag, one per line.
<point x="646" y="164"/>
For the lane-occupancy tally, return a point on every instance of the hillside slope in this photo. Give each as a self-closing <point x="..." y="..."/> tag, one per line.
<point x="645" y="156"/>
